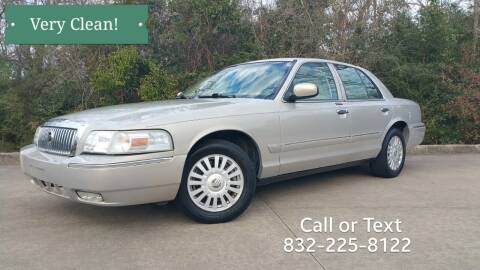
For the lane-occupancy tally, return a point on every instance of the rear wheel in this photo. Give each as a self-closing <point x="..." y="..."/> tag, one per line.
<point x="389" y="162"/>
<point x="218" y="182"/>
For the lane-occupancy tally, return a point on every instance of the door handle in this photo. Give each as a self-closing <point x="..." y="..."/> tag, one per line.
<point x="384" y="109"/>
<point x="342" y="111"/>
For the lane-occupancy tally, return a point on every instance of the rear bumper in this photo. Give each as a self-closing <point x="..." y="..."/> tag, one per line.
<point x="121" y="180"/>
<point x="416" y="134"/>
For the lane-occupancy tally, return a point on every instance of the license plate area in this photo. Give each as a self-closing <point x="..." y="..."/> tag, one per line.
<point x="49" y="187"/>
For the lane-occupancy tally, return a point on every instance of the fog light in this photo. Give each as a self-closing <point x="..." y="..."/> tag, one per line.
<point x="89" y="196"/>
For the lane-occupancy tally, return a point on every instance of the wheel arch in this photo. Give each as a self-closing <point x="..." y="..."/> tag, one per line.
<point x="238" y="137"/>
<point x="401" y="125"/>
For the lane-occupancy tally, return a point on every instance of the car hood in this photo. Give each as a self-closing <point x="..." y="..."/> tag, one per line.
<point x="157" y="113"/>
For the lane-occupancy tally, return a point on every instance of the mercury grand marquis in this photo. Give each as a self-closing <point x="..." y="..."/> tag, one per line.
<point x="246" y="125"/>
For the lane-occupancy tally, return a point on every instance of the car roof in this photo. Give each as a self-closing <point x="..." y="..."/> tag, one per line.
<point x="302" y="60"/>
<point x="299" y="60"/>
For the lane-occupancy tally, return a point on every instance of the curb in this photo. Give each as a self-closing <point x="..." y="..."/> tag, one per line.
<point x="445" y="149"/>
<point x="13" y="158"/>
<point x="9" y="158"/>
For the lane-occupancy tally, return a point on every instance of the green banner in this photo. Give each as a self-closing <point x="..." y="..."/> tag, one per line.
<point x="69" y="24"/>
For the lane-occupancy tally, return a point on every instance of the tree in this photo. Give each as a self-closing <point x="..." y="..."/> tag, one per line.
<point x="126" y="76"/>
<point x="157" y="85"/>
<point x="203" y="35"/>
<point x="421" y="49"/>
<point x="476" y="30"/>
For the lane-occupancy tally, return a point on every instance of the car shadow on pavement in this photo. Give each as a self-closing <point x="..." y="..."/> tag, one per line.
<point x="324" y="179"/>
<point x="118" y="216"/>
<point x="156" y="215"/>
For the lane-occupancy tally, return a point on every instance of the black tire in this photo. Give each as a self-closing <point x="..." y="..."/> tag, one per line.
<point x="234" y="152"/>
<point x="379" y="166"/>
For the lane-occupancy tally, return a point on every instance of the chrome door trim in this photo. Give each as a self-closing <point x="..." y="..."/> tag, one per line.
<point x="293" y="146"/>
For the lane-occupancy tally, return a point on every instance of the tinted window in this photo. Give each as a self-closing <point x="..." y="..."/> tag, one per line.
<point x="356" y="84"/>
<point x="320" y="75"/>
<point x="372" y="90"/>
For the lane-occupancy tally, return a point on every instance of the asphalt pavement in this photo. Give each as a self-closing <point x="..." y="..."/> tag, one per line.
<point x="436" y="199"/>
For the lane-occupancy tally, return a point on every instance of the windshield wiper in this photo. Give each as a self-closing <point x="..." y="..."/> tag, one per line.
<point x="216" y="95"/>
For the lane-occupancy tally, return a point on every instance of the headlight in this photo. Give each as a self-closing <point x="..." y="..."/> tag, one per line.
<point x="127" y="142"/>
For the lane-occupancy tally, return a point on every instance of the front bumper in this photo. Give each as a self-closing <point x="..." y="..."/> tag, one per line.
<point x="121" y="180"/>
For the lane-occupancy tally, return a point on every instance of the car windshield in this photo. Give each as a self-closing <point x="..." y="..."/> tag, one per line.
<point x="254" y="80"/>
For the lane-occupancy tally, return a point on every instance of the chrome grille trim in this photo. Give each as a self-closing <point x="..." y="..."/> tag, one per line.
<point x="57" y="140"/>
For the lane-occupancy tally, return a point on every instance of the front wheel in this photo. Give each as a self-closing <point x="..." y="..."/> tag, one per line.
<point x="218" y="182"/>
<point x="389" y="162"/>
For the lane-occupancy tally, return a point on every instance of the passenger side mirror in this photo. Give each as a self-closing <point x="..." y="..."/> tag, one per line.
<point x="302" y="91"/>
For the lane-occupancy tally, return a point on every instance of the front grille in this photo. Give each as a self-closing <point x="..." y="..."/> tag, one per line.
<point x="57" y="140"/>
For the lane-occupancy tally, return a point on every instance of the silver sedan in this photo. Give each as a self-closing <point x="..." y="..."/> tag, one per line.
<point x="246" y="125"/>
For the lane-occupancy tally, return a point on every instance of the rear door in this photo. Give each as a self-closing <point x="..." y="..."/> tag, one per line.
<point x="315" y="131"/>
<point x="369" y="112"/>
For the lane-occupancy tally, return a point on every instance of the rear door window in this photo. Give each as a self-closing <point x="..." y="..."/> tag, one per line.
<point x="357" y="85"/>
<point x="372" y="90"/>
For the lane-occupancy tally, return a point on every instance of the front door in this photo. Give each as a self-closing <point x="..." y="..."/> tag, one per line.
<point x="314" y="131"/>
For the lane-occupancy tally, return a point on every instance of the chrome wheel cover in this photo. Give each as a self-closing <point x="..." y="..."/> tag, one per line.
<point x="215" y="183"/>
<point x="394" y="153"/>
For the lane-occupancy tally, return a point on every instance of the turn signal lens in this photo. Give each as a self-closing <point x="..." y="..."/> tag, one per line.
<point x="139" y="142"/>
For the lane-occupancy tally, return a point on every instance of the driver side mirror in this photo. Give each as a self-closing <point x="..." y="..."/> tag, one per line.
<point x="302" y="91"/>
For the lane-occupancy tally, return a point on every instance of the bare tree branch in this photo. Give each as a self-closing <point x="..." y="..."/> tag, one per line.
<point x="476" y="31"/>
